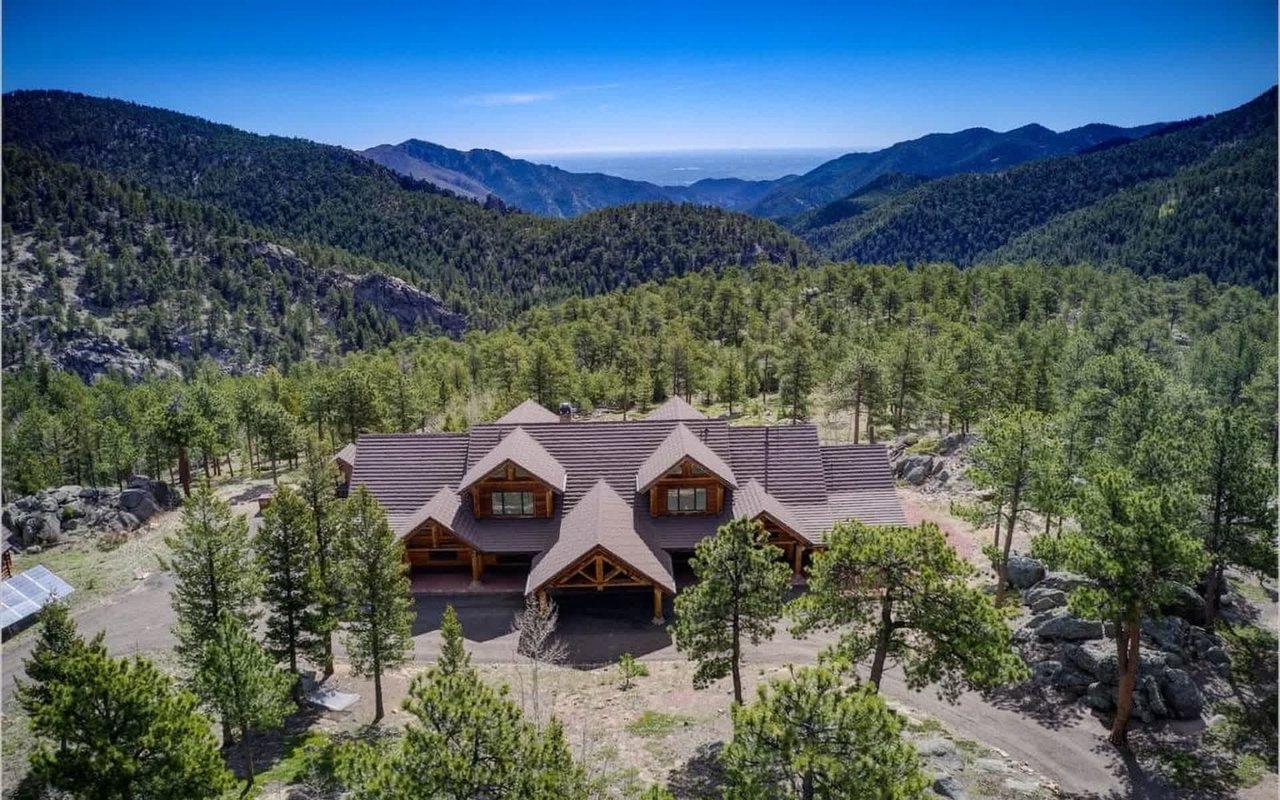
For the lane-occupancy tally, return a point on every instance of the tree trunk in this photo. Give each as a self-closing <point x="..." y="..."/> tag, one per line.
<point x="735" y="665"/>
<point x="857" y="414"/>
<point x="184" y="471"/>
<point x="995" y="541"/>
<point x="1212" y="586"/>
<point x="377" y="695"/>
<point x="1127" y="652"/>
<point x="1002" y="568"/>
<point x="248" y="763"/>
<point x="882" y="640"/>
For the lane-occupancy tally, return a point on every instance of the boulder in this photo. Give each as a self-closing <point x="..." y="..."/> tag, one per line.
<point x="1068" y="627"/>
<point x="138" y="502"/>
<point x="1217" y="655"/>
<point x="1063" y="581"/>
<point x="953" y="441"/>
<point x="947" y="786"/>
<point x="1024" y="571"/>
<point x="940" y="752"/>
<point x="1039" y="599"/>
<point x="1098" y="697"/>
<point x="1184" y="698"/>
<point x="917" y="476"/>
<point x="1187" y="604"/>
<point x="48" y="503"/>
<point x="1167" y="633"/>
<point x="41" y="527"/>
<point x="911" y="463"/>
<point x="127" y="521"/>
<point x="1147" y="702"/>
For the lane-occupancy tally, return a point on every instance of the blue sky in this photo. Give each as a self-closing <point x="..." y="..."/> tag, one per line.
<point x="649" y="75"/>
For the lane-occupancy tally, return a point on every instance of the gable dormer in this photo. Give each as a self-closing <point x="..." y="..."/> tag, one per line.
<point x="684" y="476"/>
<point x="518" y="478"/>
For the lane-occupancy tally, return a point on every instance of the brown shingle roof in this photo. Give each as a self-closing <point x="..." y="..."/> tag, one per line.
<point x="860" y="484"/>
<point x="346" y="455"/>
<point x="530" y="412"/>
<point x="751" y="500"/>
<point x="811" y="485"/>
<point x="602" y="519"/>
<point x="523" y="450"/>
<point x="675" y="408"/>
<point x="680" y="444"/>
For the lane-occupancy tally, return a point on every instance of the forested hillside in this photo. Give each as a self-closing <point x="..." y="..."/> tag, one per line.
<point x="934" y="348"/>
<point x="480" y="261"/>
<point x="934" y="155"/>
<point x="1199" y="197"/>
<point x="102" y="273"/>
<point x="546" y="189"/>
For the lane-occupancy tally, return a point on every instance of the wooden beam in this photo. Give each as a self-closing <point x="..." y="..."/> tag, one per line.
<point x="477" y="567"/>
<point x="799" y="560"/>
<point x="657" y="606"/>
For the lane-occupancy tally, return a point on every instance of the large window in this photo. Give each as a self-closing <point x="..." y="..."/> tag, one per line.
<point x="686" y="500"/>
<point x="513" y="504"/>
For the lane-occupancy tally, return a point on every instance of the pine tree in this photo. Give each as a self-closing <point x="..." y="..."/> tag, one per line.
<point x="316" y="487"/>
<point x="902" y="595"/>
<point x="742" y="586"/>
<point x="797" y="373"/>
<point x="468" y="740"/>
<point x="375" y="588"/>
<point x="808" y="737"/>
<point x="1134" y="544"/>
<point x="1006" y="461"/>
<point x="1238" y="485"/>
<point x="238" y="680"/>
<point x="215" y="571"/>
<point x="57" y="645"/>
<point x="120" y="730"/>
<point x="292" y="592"/>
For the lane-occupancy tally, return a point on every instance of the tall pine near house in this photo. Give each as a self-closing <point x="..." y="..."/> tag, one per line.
<point x="291" y="590"/>
<point x="238" y="680"/>
<point x="740" y="595"/>
<point x="375" y="585"/>
<point x="215" y="573"/>
<point x="1134" y="542"/>
<point x="902" y="595"/>
<point x="319" y="477"/>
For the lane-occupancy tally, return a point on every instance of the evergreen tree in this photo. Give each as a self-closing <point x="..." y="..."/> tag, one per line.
<point x="731" y="381"/>
<point x="810" y="738"/>
<point x="857" y="385"/>
<point x="239" y="682"/>
<point x="292" y="592"/>
<point x="58" y="644"/>
<point x="797" y="372"/>
<point x="214" y="569"/>
<point x="468" y="740"/>
<point x="1134" y="544"/>
<point x="904" y="376"/>
<point x="1238" y="487"/>
<point x="120" y="730"/>
<point x="742" y="586"/>
<point x="316" y="488"/>
<point x="903" y="596"/>
<point x="379" y="614"/>
<point x="1012" y="451"/>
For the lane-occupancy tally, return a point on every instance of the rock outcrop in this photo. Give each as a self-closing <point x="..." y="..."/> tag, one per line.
<point x="409" y="306"/>
<point x="51" y="516"/>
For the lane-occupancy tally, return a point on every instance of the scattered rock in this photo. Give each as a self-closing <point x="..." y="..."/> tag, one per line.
<point x="1022" y="787"/>
<point x="940" y="752"/>
<point x="953" y="442"/>
<point x="1098" y="697"/>
<point x="947" y="786"/>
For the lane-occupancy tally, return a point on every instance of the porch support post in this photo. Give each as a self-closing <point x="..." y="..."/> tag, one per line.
<point x="477" y="568"/>
<point x="542" y="599"/>
<point x="798" y="566"/>
<point x="657" y="606"/>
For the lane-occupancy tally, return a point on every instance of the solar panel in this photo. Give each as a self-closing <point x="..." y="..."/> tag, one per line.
<point x="27" y="592"/>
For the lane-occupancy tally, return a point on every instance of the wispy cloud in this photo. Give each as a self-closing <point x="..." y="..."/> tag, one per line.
<point x="509" y="98"/>
<point x="526" y="98"/>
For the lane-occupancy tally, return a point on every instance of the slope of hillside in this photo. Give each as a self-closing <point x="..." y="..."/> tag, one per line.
<point x="968" y="218"/>
<point x="545" y="189"/>
<point x="480" y="261"/>
<point x="104" y="274"/>
<point x="938" y="154"/>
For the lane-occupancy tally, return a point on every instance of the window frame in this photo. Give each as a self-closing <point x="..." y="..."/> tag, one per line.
<point x="679" y="494"/>
<point x="508" y="503"/>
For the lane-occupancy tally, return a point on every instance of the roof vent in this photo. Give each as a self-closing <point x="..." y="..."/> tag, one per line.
<point x="566" y="412"/>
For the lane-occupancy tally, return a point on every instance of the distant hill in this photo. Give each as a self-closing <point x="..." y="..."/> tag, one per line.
<point x="480" y="261"/>
<point x="545" y="189"/>
<point x="1196" y="196"/>
<point x="935" y="155"/>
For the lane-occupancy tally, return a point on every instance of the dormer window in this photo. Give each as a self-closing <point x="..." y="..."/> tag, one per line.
<point x="512" y="504"/>
<point x="687" y="500"/>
